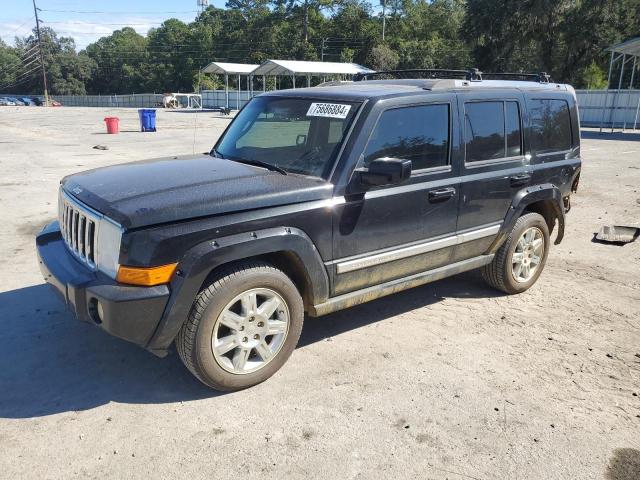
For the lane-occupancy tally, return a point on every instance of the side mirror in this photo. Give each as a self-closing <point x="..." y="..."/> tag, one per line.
<point x="385" y="171"/>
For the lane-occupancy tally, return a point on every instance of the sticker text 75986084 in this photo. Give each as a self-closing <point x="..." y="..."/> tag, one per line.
<point x="332" y="110"/>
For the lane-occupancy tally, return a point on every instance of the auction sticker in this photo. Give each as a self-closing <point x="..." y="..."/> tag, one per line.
<point x="331" y="110"/>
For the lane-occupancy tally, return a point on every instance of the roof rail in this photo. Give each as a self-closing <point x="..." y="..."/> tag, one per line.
<point x="472" y="74"/>
<point x="542" y="77"/>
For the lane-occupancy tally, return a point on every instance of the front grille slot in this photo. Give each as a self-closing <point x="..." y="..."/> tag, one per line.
<point x="79" y="226"/>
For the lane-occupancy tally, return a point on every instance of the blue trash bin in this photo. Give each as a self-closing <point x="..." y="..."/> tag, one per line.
<point x="147" y="119"/>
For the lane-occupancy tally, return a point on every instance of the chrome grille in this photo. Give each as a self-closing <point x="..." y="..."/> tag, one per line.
<point x="79" y="230"/>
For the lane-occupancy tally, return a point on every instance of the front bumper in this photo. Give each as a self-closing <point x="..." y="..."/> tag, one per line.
<point x="127" y="312"/>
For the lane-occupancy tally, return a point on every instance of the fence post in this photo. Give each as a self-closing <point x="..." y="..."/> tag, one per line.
<point x="633" y="73"/>
<point x="616" y="98"/>
<point x="606" y="97"/>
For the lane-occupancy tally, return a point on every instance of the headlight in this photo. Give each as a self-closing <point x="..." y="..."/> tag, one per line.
<point x="108" y="251"/>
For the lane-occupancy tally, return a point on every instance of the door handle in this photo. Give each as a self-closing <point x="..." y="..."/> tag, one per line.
<point x="441" y="195"/>
<point x="519" y="180"/>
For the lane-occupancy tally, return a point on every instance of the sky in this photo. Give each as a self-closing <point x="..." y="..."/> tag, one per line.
<point x="89" y="20"/>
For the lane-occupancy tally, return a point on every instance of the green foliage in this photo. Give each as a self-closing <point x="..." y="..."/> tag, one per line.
<point x="383" y="58"/>
<point x="9" y="64"/>
<point x="594" y="78"/>
<point x="566" y="38"/>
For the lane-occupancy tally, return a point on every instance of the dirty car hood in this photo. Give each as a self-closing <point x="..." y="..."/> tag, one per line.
<point x="178" y="188"/>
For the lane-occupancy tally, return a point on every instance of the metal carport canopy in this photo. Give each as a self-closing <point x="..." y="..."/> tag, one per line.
<point x="630" y="47"/>
<point x="221" y="68"/>
<point x="298" y="67"/>
<point x="226" y="69"/>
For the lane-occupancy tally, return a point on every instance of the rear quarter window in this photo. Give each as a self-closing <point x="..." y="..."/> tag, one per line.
<point x="550" y="125"/>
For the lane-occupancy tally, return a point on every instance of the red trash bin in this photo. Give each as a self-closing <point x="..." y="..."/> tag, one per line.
<point x="112" y="124"/>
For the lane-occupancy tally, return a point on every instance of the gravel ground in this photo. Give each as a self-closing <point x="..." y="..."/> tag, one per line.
<point x="447" y="381"/>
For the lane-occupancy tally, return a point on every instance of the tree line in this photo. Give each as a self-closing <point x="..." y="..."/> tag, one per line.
<point x="565" y="38"/>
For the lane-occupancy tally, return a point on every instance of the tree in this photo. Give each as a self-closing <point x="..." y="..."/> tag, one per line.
<point x="11" y="66"/>
<point x="383" y="58"/>
<point x="593" y="77"/>
<point x="67" y="72"/>
<point x="122" y="63"/>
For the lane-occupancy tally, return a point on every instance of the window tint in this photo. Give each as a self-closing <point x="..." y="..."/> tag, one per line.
<point x="336" y="130"/>
<point x="419" y="134"/>
<point x="550" y="126"/>
<point x="484" y="131"/>
<point x="512" y="126"/>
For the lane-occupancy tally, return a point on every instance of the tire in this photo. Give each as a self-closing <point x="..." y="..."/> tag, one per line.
<point x="501" y="272"/>
<point x="241" y="296"/>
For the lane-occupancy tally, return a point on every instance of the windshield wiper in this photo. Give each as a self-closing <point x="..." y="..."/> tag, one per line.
<point x="259" y="163"/>
<point x="216" y="153"/>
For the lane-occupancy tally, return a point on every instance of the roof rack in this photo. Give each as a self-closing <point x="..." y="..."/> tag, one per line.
<point x="472" y="74"/>
<point x="419" y="73"/>
<point x="542" y="77"/>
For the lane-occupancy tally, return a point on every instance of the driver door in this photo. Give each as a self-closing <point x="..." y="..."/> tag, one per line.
<point x="393" y="231"/>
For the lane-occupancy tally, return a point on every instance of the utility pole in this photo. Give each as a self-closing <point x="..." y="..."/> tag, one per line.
<point x="384" y="17"/>
<point x="44" y="72"/>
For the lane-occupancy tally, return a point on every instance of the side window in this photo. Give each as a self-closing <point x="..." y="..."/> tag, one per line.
<point x="484" y="130"/>
<point x="512" y="127"/>
<point x="550" y="125"/>
<point x="492" y="130"/>
<point x="417" y="133"/>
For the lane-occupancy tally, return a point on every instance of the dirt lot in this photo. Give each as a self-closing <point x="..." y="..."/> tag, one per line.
<point x="447" y="381"/>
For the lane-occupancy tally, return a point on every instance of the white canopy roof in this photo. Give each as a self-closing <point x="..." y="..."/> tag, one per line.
<point x="296" y="67"/>
<point x="630" y="47"/>
<point x="230" y="68"/>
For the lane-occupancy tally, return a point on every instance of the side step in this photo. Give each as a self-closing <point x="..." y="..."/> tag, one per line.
<point x="377" y="291"/>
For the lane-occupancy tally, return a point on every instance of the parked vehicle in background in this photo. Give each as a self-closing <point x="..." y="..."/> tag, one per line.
<point x="37" y="101"/>
<point x="15" y="101"/>
<point x="5" y="103"/>
<point x="26" y="101"/>
<point x="55" y="103"/>
<point x="315" y="200"/>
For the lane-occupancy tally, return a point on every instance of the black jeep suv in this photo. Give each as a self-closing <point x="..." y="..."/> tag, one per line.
<point x="315" y="200"/>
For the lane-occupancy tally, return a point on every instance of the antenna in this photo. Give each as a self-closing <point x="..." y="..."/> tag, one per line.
<point x="202" y="5"/>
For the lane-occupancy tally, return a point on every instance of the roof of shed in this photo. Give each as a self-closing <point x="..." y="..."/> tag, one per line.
<point x="296" y="67"/>
<point x="630" y="47"/>
<point x="231" y="68"/>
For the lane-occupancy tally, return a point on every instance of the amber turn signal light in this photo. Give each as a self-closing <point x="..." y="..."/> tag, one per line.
<point x="147" y="277"/>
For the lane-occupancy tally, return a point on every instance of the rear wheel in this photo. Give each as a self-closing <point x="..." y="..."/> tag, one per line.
<point x="242" y="328"/>
<point x="520" y="260"/>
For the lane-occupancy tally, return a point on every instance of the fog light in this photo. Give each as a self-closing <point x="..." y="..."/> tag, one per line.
<point x="96" y="311"/>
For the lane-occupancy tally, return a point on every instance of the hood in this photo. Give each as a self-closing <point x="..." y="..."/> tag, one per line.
<point x="179" y="188"/>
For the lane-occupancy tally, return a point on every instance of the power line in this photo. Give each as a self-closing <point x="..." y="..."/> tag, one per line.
<point x="17" y="67"/>
<point x="101" y="23"/>
<point x="21" y="79"/>
<point x="117" y="13"/>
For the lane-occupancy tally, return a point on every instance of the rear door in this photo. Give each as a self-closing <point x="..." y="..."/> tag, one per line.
<point x="495" y="166"/>
<point x="394" y="231"/>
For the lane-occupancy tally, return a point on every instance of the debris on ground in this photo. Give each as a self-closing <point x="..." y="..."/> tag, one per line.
<point x="617" y="234"/>
<point x="100" y="147"/>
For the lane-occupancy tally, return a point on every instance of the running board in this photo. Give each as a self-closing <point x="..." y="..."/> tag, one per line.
<point x="377" y="291"/>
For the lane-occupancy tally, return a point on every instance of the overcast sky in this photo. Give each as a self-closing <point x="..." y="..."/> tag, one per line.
<point x="89" y="20"/>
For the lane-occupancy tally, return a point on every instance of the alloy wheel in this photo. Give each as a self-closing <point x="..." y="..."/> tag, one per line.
<point x="250" y="331"/>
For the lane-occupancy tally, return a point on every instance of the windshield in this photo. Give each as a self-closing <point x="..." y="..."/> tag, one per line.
<point x="298" y="135"/>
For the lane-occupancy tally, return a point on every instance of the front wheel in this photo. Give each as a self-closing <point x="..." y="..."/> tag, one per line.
<point x="242" y="328"/>
<point x="520" y="260"/>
